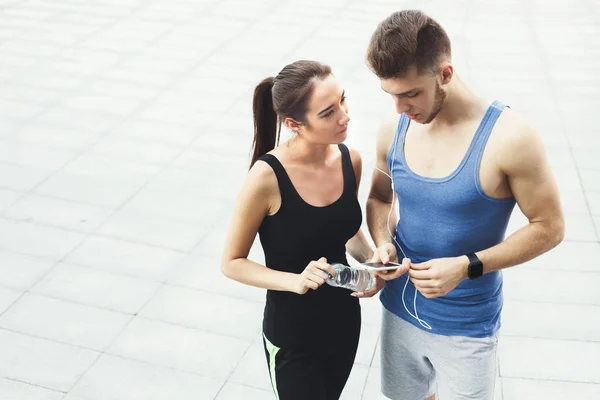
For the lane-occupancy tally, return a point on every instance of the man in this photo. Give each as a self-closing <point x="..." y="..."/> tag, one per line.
<point x="458" y="166"/>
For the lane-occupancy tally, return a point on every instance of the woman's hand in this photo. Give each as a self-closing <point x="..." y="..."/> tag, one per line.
<point x="379" y="285"/>
<point x="314" y="275"/>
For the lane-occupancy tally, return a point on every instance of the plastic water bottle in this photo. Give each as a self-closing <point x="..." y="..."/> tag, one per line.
<point x="357" y="280"/>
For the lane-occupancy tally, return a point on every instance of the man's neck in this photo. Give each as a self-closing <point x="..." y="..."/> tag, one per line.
<point x="461" y="104"/>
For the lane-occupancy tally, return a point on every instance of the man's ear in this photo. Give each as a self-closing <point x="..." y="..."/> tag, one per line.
<point x="447" y="72"/>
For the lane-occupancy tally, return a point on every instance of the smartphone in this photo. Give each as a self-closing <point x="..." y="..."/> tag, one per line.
<point x="379" y="266"/>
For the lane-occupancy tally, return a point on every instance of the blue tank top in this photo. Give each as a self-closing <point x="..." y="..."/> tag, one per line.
<point x="448" y="217"/>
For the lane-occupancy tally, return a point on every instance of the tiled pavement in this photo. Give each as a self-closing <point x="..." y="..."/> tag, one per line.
<point x="125" y="129"/>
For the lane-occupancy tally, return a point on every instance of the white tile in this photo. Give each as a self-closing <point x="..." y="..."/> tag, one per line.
<point x="48" y="79"/>
<point x="589" y="179"/>
<point x="219" y="141"/>
<point x="373" y="386"/>
<point x="136" y="150"/>
<point x="534" y="389"/>
<point x="377" y="357"/>
<point x="119" y="379"/>
<point x="551" y="320"/>
<point x="498" y="389"/>
<point x="110" y="170"/>
<point x="16" y="60"/>
<point x="7" y="298"/>
<point x="202" y="272"/>
<point x="113" y="87"/>
<point x="253" y="370"/>
<point x="369" y="336"/>
<point x="153" y="230"/>
<point x="593" y="199"/>
<point x="82" y="55"/>
<point x="371" y="311"/>
<point x="103" y="193"/>
<point x="19" y="110"/>
<point x="586" y="157"/>
<point x="90" y="286"/>
<point x="126" y="258"/>
<point x="188" y="204"/>
<point x="569" y="256"/>
<point x="30" y="12"/>
<point x="132" y="75"/>
<point x="64" y="322"/>
<point x="167" y="50"/>
<point x="549" y="359"/>
<point x="155" y="131"/>
<point x="85" y="120"/>
<point x="173" y="114"/>
<point x="55" y="137"/>
<point x="234" y="391"/>
<point x="121" y="106"/>
<point x="8" y="126"/>
<point x="574" y="202"/>
<point x="31" y="155"/>
<point x="204" y="161"/>
<point x="225" y="185"/>
<point x="147" y="62"/>
<point x="580" y="228"/>
<point x="215" y="313"/>
<point x="190" y="100"/>
<point x="8" y="197"/>
<point x="567" y="178"/>
<point x="69" y="396"/>
<point x="13" y="390"/>
<point x="356" y="383"/>
<point x="21" y="178"/>
<point x="543" y="286"/>
<point x="20" y="271"/>
<point x="212" y="244"/>
<point x="25" y="238"/>
<point x="59" y="213"/>
<point x="42" y="362"/>
<point x="54" y="38"/>
<point x="184" y="349"/>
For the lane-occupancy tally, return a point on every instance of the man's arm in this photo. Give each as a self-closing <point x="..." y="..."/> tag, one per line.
<point x="523" y="161"/>
<point x="379" y="205"/>
<point x="535" y="190"/>
<point x="381" y="194"/>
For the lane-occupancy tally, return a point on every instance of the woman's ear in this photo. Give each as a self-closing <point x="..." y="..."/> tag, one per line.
<point x="292" y="124"/>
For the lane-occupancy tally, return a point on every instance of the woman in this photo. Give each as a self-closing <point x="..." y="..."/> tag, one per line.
<point x="301" y="198"/>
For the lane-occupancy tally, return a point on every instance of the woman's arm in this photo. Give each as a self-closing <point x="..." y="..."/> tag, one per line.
<point x="256" y="200"/>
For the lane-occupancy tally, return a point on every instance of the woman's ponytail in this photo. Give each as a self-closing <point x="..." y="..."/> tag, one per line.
<point x="266" y="124"/>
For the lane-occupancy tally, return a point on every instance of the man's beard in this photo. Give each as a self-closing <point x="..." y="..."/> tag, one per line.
<point x="440" y="97"/>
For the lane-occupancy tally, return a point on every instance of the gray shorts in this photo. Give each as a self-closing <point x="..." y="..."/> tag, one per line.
<point x="415" y="364"/>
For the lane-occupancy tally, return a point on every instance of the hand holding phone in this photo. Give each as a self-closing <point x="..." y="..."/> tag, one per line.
<point x="379" y="266"/>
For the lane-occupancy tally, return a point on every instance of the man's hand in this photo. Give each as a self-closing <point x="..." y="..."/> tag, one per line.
<point x="439" y="276"/>
<point x="385" y="254"/>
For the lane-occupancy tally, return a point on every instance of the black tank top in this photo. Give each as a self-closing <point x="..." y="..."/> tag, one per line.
<point x="297" y="234"/>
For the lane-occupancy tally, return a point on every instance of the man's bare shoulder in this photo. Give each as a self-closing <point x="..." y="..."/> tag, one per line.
<point x="515" y="138"/>
<point x="514" y="129"/>
<point x="386" y="133"/>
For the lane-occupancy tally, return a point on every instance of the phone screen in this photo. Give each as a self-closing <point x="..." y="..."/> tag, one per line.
<point x="381" y="266"/>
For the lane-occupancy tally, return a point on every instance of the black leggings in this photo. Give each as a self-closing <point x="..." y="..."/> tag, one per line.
<point x="315" y="375"/>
